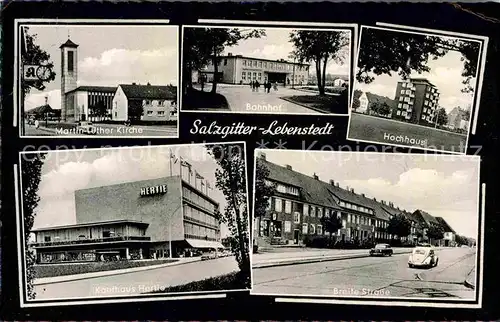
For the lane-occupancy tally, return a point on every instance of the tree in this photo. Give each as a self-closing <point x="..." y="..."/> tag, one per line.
<point x="263" y="190"/>
<point x="435" y="232"/>
<point x="356" y="103"/>
<point x="399" y="226"/>
<point x="442" y="117"/>
<point x="204" y="45"/>
<point x="135" y="109"/>
<point x="331" y="224"/>
<point x="466" y="116"/>
<point x="231" y="180"/>
<point x="34" y="55"/>
<point x="31" y="172"/>
<point x="320" y="47"/>
<point x="386" y="52"/>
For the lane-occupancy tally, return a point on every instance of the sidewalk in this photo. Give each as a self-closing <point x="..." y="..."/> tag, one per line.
<point x="68" y="278"/>
<point x="291" y="258"/>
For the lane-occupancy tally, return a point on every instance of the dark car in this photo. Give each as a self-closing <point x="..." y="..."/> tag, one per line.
<point x="381" y="250"/>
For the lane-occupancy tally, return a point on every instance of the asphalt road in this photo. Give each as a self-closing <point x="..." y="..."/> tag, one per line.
<point x="372" y="276"/>
<point x="241" y="99"/>
<point x="111" y="130"/>
<point x="138" y="282"/>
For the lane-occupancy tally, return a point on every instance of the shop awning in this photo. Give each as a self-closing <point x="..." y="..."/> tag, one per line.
<point x="196" y="243"/>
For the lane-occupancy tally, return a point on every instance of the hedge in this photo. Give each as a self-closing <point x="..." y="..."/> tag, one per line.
<point x="232" y="281"/>
<point x="52" y="270"/>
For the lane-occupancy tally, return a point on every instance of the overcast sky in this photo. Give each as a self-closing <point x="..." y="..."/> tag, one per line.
<point x="276" y="45"/>
<point x="109" y="56"/>
<point x="445" y="73"/>
<point x="67" y="171"/>
<point x="444" y="186"/>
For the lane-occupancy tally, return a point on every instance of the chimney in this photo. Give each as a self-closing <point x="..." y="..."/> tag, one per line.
<point x="374" y="199"/>
<point x="263" y="156"/>
<point x="47" y="100"/>
<point x="383" y="202"/>
<point x="363" y="195"/>
<point x="134" y="84"/>
<point x="289" y="167"/>
<point x="315" y="176"/>
<point x="332" y="182"/>
<point x="149" y="84"/>
<point x="352" y="190"/>
<point x="338" y="184"/>
<point x="347" y="188"/>
<point x="230" y="54"/>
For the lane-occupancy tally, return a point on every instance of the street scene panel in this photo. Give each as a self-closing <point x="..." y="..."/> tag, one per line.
<point x="266" y="70"/>
<point x="414" y="90"/>
<point x="365" y="225"/>
<point x="126" y="222"/>
<point x="98" y="80"/>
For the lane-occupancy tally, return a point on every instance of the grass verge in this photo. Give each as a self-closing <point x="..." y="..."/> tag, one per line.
<point x="324" y="104"/>
<point x="232" y="281"/>
<point x="376" y="129"/>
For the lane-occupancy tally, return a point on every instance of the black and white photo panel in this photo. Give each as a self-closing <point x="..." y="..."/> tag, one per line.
<point x="263" y="69"/>
<point x="132" y="224"/>
<point x="92" y="78"/>
<point x="368" y="228"/>
<point x="417" y="88"/>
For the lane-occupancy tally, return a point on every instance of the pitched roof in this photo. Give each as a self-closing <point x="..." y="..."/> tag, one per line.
<point x="311" y="190"/>
<point x="428" y="218"/>
<point x="372" y="98"/>
<point x="69" y="43"/>
<point x="444" y="224"/>
<point x="101" y="89"/>
<point x="149" y="91"/>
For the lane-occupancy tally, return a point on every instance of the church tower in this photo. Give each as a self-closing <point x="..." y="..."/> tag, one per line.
<point x="69" y="77"/>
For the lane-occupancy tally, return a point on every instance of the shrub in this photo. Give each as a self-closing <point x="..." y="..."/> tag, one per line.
<point x="52" y="270"/>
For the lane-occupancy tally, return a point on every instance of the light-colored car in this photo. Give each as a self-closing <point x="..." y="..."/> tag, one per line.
<point x="423" y="257"/>
<point x="86" y="128"/>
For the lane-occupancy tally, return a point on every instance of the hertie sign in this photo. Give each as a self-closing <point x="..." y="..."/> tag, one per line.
<point x="154" y="190"/>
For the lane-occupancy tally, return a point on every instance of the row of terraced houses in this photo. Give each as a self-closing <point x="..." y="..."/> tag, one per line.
<point x="300" y="201"/>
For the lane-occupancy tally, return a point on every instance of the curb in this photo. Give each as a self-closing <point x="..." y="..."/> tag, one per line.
<point x="469" y="282"/>
<point x="315" y="260"/>
<point x="76" y="277"/>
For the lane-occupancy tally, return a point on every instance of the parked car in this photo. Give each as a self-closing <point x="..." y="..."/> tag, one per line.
<point x="423" y="257"/>
<point x="209" y="255"/>
<point x="381" y="250"/>
<point x="86" y="128"/>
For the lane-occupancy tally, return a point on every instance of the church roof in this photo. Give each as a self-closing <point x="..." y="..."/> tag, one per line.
<point x="149" y="91"/>
<point x="100" y="89"/>
<point x="69" y="43"/>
